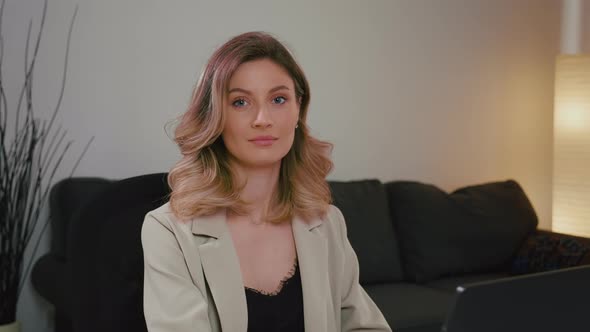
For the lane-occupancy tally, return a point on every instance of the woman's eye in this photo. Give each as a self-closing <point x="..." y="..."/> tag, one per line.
<point x="239" y="103"/>
<point x="280" y="100"/>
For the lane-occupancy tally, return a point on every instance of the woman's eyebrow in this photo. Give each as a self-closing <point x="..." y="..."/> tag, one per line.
<point x="276" y="88"/>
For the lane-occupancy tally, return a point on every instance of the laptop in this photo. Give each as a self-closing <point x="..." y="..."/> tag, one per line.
<point x="557" y="300"/>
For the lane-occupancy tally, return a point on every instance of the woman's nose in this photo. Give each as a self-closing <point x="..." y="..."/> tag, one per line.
<point x="263" y="119"/>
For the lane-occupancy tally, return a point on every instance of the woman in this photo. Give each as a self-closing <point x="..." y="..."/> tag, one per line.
<point x="249" y="240"/>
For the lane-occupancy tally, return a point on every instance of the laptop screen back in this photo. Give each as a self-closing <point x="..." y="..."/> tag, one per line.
<point x="550" y="301"/>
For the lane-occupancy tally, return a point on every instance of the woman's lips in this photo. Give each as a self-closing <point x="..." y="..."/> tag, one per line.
<point x="263" y="140"/>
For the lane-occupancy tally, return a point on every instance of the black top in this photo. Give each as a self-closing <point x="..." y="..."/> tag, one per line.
<point x="277" y="311"/>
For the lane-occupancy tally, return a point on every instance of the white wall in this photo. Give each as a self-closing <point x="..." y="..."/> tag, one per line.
<point x="452" y="92"/>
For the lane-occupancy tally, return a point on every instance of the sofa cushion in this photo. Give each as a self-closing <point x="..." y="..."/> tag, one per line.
<point x="410" y="307"/>
<point x="370" y="230"/>
<point x="474" y="229"/>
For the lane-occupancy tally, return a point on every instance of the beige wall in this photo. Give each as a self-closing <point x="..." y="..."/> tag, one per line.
<point x="452" y="92"/>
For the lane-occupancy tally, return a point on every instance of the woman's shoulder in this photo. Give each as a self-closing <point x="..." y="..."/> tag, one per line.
<point x="163" y="219"/>
<point x="163" y="211"/>
<point x="333" y="223"/>
<point x="162" y="214"/>
<point x="334" y="217"/>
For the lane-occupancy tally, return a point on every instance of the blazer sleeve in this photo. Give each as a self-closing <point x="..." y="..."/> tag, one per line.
<point x="171" y="302"/>
<point x="358" y="311"/>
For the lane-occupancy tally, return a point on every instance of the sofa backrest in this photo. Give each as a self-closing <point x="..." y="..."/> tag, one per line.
<point x="365" y="208"/>
<point x="66" y="199"/>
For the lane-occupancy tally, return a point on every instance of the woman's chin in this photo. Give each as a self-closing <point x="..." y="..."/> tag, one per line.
<point x="260" y="159"/>
<point x="263" y="164"/>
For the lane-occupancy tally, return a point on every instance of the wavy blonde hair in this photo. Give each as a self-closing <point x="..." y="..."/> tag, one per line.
<point x="202" y="182"/>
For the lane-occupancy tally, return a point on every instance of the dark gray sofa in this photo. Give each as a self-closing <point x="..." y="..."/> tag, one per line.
<point x="415" y="244"/>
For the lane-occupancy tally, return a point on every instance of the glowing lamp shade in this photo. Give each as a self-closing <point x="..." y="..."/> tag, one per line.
<point x="571" y="145"/>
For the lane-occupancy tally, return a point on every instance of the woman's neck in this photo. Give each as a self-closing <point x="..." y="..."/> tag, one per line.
<point x="261" y="186"/>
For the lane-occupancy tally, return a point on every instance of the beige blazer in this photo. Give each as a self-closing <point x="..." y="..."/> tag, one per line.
<point x="193" y="281"/>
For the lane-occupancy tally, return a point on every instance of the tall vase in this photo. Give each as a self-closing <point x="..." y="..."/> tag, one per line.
<point x="12" y="327"/>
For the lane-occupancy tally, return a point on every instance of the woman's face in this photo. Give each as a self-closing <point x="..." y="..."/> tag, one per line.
<point x="261" y="113"/>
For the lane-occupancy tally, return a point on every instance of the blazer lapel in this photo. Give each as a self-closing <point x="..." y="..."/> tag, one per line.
<point x="312" y="254"/>
<point x="222" y="270"/>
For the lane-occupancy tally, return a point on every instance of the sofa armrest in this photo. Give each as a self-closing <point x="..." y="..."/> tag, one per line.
<point x="545" y="250"/>
<point x="51" y="280"/>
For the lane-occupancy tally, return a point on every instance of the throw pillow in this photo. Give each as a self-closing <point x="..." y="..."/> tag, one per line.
<point x="370" y="230"/>
<point x="544" y="252"/>
<point x="477" y="228"/>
